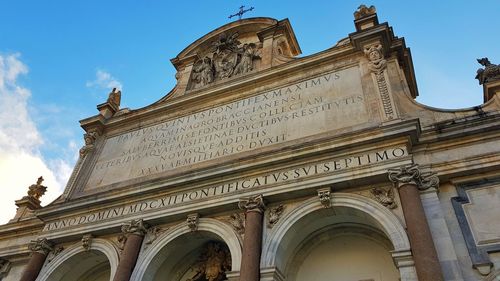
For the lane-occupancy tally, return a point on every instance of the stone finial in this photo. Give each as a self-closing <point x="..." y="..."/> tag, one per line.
<point x="138" y="227"/>
<point x="252" y="204"/>
<point x="41" y="245"/>
<point x="364" y="11"/>
<point x="410" y="174"/>
<point x="274" y="215"/>
<point x="490" y="72"/>
<point x="384" y="196"/>
<point x="87" y="241"/>
<point x="37" y="190"/>
<point x="324" y="195"/>
<point x="192" y="221"/>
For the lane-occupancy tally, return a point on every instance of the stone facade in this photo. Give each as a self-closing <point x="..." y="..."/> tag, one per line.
<point x="262" y="165"/>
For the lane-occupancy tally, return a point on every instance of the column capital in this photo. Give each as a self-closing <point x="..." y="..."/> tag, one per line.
<point x="411" y="174"/>
<point x="40" y="245"/>
<point x="138" y="227"/>
<point x="252" y="204"/>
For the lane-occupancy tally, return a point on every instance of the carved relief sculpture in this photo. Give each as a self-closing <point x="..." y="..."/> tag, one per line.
<point x="254" y="203"/>
<point x="57" y="250"/>
<point x="138" y="227"/>
<point x="89" y="139"/>
<point x="225" y="59"/>
<point x="490" y="72"/>
<point x="237" y="221"/>
<point x="37" y="190"/>
<point x="213" y="263"/>
<point x="384" y="196"/>
<point x="153" y="233"/>
<point x="410" y="174"/>
<point x="274" y="215"/>
<point x="324" y="197"/>
<point x="192" y="221"/>
<point x="87" y="241"/>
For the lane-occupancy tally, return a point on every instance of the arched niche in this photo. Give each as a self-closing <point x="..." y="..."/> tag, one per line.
<point x="75" y="263"/>
<point x="170" y="256"/>
<point x="296" y="228"/>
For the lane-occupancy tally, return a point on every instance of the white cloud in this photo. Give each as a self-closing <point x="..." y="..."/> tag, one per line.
<point x="21" y="162"/>
<point x="105" y="80"/>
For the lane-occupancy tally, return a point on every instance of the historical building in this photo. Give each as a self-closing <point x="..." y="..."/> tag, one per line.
<point x="261" y="165"/>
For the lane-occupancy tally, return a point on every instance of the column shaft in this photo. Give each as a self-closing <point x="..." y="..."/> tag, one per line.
<point x="422" y="245"/>
<point x="128" y="257"/>
<point x="34" y="266"/>
<point x="252" y="244"/>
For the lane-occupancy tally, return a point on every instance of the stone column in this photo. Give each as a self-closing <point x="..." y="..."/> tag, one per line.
<point x="252" y="243"/>
<point x="410" y="181"/>
<point x="39" y="248"/>
<point x="134" y="232"/>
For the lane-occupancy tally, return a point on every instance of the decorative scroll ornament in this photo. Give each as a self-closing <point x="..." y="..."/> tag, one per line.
<point x="252" y="204"/>
<point x="491" y="72"/>
<point x="138" y="227"/>
<point x="384" y="196"/>
<point x="324" y="196"/>
<point x="213" y="263"/>
<point x="364" y="11"/>
<point x="237" y="221"/>
<point x="87" y="241"/>
<point x="192" y="221"/>
<point x="5" y="266"/>
<point x="410" y="174"/>
<point x="274" y="215"/>
<point x="41" y="245"/>
<point x="227" y="58"/>
<point x="89" y="139"/>
<point x="37" y="190"/>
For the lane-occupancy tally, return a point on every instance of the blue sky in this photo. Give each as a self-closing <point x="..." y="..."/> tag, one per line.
<point x="59" y="59"/>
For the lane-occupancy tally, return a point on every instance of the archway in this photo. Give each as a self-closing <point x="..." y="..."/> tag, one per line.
<point x="75" y="263"/>
<point x="172" y="255"/>
<point x="299" y="233"/>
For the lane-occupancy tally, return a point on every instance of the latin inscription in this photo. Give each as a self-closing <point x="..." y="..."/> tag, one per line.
<point x="330" y="101"/>
<point x="196" y="195"/>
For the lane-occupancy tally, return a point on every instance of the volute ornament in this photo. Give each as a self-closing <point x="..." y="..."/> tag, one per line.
<point x="41" y="245"/>
<point x="490" y="72"/>
<point x="252" y="204"/>
<point x="411" y="174"/>
<point x="138" y="227"/>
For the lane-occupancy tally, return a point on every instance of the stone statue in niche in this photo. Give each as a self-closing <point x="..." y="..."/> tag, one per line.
<point x="213" y="263"/>
<point x="227" y="58"/>
<point x="490" y="72"/>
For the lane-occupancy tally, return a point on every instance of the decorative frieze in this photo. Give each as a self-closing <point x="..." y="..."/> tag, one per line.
<point x="192" y="221"/>
<point x="274" y="215"/>
<point x="252" y="204"/>
<point x="411" y="174"/>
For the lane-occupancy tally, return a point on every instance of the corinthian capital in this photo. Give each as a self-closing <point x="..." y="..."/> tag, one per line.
<point x="411" y="174"/>
<point x="252" y="204"/>
<point x="40" y="245"/>
<point x="138" y="227"/>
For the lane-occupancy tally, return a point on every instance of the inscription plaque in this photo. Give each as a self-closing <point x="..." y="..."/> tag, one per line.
<point x="327" y="102"/>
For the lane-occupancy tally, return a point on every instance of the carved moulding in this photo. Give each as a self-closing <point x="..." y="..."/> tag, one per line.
<point x="411" y="174"/>
<point x="384" y="196"/>
<point x="274" y="215"/>
<point x="226" y="58"/>
<point x="377" y="66"/>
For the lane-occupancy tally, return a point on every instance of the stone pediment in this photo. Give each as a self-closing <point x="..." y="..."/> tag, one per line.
<point x="234" y="50"/>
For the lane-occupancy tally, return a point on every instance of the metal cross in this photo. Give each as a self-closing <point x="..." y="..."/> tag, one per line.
<point x="241" y="12"/>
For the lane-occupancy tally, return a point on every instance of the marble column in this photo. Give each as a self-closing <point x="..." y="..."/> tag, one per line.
<point x="252" y="243"/>
<point x="134" y="232"/>
<point x="410" y="181"/>
<point x="39" y="248"/>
